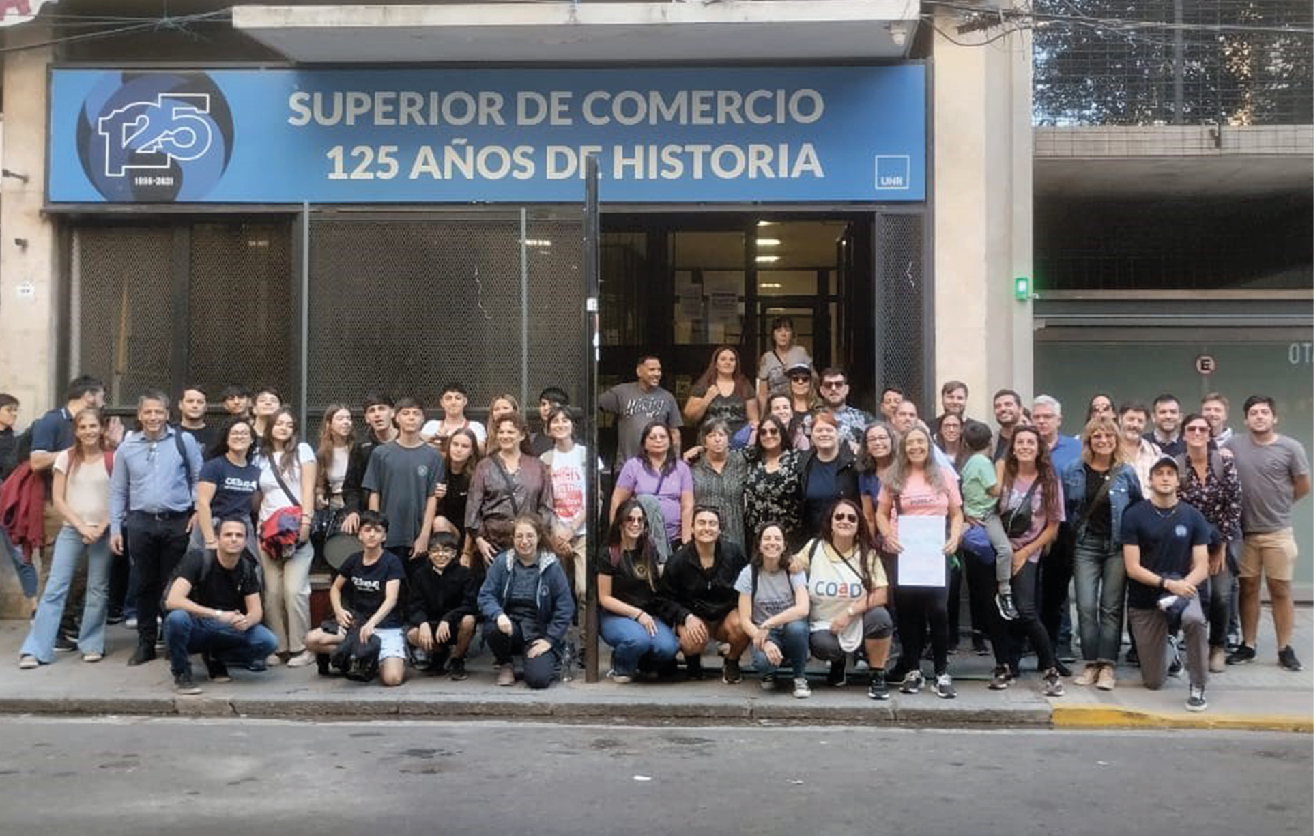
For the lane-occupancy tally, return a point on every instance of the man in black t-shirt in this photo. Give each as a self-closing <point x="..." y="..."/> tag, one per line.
<point x="214" y="609"/>
<point x="1166" y="552"/>
<point x="372" y="579"/>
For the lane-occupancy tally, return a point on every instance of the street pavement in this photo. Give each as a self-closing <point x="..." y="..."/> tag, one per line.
<point x="145" y="776"/>
<point x="1258" y="696"/>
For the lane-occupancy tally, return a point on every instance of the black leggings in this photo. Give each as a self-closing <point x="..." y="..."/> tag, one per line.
<point x="917" y="605"/>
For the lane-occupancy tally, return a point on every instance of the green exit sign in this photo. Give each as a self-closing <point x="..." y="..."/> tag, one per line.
<point x="1022" y="288"/>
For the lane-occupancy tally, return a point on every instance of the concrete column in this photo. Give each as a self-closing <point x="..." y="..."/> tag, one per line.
<point x="983" y="209"/>
<point x="27" y="249"/>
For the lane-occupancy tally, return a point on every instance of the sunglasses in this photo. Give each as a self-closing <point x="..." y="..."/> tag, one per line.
<point x="845" y="517"/>
<point x="833" y="384"/>
<point x="1197" y="429"/>
<point x="639" y="520"/>
<point x="768" y="431"/>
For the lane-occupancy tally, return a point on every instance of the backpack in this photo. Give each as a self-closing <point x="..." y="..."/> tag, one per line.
<point x="358" y="662"/>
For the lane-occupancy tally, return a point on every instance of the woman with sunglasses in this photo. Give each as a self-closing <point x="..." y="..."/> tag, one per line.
<point x="917" y="487"/>
<point x="847" y="593"/>
<point x="1209" y="483"/>
<point x="771" y="486"/>
<point x="630" y="620"/>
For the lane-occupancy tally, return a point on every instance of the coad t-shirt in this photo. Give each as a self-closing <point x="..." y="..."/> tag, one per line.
<point x="368" y="586"/>
<point x="233" y="486"/>
<point x="775" y="591"/>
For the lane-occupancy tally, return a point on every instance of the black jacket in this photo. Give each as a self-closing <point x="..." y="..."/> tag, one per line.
<point x="846" y="484"/>
<point x="447" y="597"/>
<point x="354" y="496"/>
<point x="685" y="588"/>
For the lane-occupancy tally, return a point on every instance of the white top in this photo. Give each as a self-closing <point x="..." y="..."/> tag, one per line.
<point x="272" y="497"/>
<point x="337" y="471"/>
<point x="432" y="428"/>
<point x="87" y="489"/>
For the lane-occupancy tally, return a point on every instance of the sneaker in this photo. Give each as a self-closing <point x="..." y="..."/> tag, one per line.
<point x="114" y="618"/>
<point x="457" y="670"/>
<point x="130" y="622"/>
<point x="835" y="676"/>
<point x="1217" y="660"/>
<point x="183" y="684"/>
<point x="28" y="663"/>
<point x="1287" y="659"/>
<point x="979" y="646"/>
<point x="64" y="644"/>
<point x="1053" y="683"/>
<point x="619" y="678"/>
<point x="1107" y="678"/>
<point x="1197" y="701"/>
<point x="1175" y="663"/>
<point x="420" y="659"/>
<point x="144" y="653"/>
<point x="1088" y="675"/>
<point x="1007" y="609"/>
<point x="215" y="669"/>
<point x="1244" y="654"/>
<point x="1065" y="654"/>
<point x="273" y="660"/>
<point x="768" y="682"/>
<point x="801" y="688"/>
<point x="693" y="667"/>
<point x="300" y="660"/>
<point x="92" y="657"/>
<point x="944" y="687"/>
<point x="1063" y="670"/>
<point x="1001" y="678"/>
<point x="730" y="674"/>
<point x="878" y="689"/>
<point x="912" y="683"/>
<point x="506" y="675"/>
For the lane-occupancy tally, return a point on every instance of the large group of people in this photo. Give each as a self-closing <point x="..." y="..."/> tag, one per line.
<point x="797" y="527"/>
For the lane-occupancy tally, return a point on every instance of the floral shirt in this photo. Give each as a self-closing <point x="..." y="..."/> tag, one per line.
<point x="774" y="497"/>
<point x="1218" y="498"/>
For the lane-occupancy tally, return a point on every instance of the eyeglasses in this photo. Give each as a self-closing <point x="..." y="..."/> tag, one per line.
<point x="833" y="384"/>
<point x="1197" y="429"/>
<point x="635" y="520"/>
<point x="845" y="517"/>
<point x="768" y="431"/>
<point x="800" y="377"/>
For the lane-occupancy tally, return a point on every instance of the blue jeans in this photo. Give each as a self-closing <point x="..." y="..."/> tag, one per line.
<point x="792" y="639"/>
<point x="27" y="573"/>
<point x="1101" y="580"/>
<point x="631" y="645"/>
<point x="186" y="634"/>
<point x="69" y="550"/>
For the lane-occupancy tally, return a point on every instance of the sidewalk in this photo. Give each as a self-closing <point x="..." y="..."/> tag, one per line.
<point x="1259" y="696"/>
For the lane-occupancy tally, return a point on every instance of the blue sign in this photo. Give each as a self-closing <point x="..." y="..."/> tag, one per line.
<point x="498" y="135"/>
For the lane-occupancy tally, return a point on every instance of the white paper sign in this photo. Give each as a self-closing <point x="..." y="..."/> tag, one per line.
<point x="921" y="563"/>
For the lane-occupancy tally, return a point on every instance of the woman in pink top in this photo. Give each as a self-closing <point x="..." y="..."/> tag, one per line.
<point x="915" y="486"/>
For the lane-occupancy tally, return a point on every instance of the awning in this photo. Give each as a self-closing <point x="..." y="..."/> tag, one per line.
<point x="588" y="32"/>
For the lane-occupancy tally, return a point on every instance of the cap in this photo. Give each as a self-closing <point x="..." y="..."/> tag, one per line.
<point x="798" y="367"/>
<point x="1164" y="460"/>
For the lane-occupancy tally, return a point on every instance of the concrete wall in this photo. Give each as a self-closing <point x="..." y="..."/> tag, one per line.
<point x="983" y="157"/>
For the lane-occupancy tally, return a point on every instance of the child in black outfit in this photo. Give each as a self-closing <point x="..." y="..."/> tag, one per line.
<point x="441" y="608"/>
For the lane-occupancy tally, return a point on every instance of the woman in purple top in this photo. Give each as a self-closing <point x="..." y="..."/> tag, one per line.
<point x="1029" y="488"/>
<point x="658" y="472"/>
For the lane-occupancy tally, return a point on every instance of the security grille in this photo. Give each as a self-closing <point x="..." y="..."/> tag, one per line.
<point x="240" y="305"/>
<point x="124" y="308"/>
<point x="404" y="304"/>
<point x="900" y="302"/>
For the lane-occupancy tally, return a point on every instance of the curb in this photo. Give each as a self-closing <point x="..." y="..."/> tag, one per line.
<point x="1111" y="717"/>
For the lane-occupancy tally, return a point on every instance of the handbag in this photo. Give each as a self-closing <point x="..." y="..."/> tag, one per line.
<point x="1017" y="521"/>
<point x="280" y="533"/>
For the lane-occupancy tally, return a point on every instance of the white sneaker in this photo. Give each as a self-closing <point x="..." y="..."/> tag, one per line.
<point x="273" y="660"/>
<point x="619" y="678"/>
<point x="302" y="659"/>
<point x="801" y="688"/>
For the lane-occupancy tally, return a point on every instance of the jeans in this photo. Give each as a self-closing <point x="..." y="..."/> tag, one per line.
<point x="286" y="596"/>
<point x="631" y="645"/>
<point x="539" y="671"/>
<point x="792" y="639"/>
<point x="1101" y="580"/>
<point x="156" y="543"/>
<point x="186" y="634"/>
<point x="68" y="553"/>
<point x="1218" y="598"/>
<point x="27" y="573"/>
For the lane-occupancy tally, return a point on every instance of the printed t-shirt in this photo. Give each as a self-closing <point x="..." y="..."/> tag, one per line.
<point x="368" y="586"/>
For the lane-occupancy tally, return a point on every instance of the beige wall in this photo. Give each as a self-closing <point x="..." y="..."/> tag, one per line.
<point x="982" y="160"/>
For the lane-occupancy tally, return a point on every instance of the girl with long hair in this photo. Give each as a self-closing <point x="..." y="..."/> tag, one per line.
<point x="773" y="610"/>
<point x="771" y="487"/>
<point x="506" y="483"/>
<point x="659" y="472"/>
<point x="228" y="484"/>
<point x="723" y="393"/>
<point x="631" y="620"/>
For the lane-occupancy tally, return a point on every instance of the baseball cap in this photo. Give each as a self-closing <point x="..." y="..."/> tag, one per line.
<point x="1162" y="461"/>
<point x="798" y="368"/>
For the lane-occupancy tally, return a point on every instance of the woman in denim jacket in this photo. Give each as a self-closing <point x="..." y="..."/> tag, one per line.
<point x="1097" y="488"/>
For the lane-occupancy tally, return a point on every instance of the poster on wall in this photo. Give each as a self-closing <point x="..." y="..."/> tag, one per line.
<point x="500" y="135"/>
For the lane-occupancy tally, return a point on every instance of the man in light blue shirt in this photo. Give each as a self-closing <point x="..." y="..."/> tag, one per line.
<point x="1047" y="415"/>
<point x="152" y="501"/>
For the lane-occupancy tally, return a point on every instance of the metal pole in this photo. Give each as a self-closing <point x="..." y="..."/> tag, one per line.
<point x="593" y="539"/>
<point x="524" y="311"/>
<point x="304" y="325"/>
<point x="1179" y="63"/>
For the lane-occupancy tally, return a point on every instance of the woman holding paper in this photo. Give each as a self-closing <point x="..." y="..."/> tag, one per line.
<point x="916" y="500"/>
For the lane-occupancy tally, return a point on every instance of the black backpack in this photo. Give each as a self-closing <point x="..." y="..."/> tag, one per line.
<point x="357" y="661"/>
